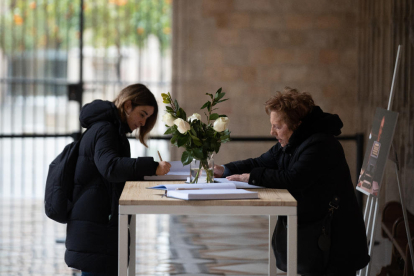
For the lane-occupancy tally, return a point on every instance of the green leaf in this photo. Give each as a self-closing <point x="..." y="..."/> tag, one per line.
<point x="196" y="141"/>
<point x="214" y="116"/>
<point x="166" y="101"/>
<point x="224" y="137"/>
<point x="205" y="105"/>
<point x="174" y="139"/>
<point x="194" y="137"/>
<point x="219" y="96"/>
<point x="176" y="105"/>
<point x="182" y="140"/>
<point x="217" y="147"/>
<point x="169" y="109"/>
<point x="222" y="101"/>
<point x="181" y="114"/>
<point x="186" y="158"/>
<point x="211" y="95"/>
<point x="198" y="153"/>
<point x="170" y="130"/>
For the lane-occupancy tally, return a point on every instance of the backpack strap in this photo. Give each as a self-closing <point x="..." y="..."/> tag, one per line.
<point x="110" y="190"/>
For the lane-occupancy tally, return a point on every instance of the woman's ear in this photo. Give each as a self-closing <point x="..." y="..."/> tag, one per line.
<point x="128" y="107"/>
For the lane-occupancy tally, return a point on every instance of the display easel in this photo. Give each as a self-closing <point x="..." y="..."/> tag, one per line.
<point x="371" y="207"/>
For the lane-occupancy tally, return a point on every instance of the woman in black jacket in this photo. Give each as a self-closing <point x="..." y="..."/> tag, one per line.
<point x="103" y="166"/>
<point x="310" y="163"/>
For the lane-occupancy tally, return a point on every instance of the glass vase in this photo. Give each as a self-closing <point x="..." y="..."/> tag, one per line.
<point x="202" y="171"/>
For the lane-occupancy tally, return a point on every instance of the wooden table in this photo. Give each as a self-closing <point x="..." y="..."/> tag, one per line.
<point x="136" y="199"/>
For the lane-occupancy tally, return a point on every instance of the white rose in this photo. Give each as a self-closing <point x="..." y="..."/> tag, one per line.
<point x="221" y="124"/>
<point x="182" y="125"/>
<point x="168" y="119"/>
<point x="195" y="116"/>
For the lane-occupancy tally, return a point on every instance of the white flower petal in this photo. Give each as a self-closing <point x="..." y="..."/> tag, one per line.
<point x="182" y="125"/>
<point x="221" y="124"/>
<point x="168" y="119"/>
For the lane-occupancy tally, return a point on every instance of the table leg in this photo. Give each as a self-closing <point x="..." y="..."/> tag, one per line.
<point x="292" y="245"/>
<point x="122" y="245"/>
<point x="132" y="231"/>
<point x="272" y="259"/>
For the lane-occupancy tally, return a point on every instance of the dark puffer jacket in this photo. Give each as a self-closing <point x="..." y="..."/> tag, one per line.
<point x="312" y="167"/>
<point x="103" y="166"/>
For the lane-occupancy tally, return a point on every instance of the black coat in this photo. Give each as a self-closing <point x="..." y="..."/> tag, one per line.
<point x="312" y="167"/>
<point x="103" y="166"/>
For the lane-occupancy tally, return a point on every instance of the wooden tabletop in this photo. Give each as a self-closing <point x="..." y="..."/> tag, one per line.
<point x="135" y="193"/>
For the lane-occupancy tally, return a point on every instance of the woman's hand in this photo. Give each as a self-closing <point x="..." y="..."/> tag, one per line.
<point x="163" y="168"/>
<point x="239" y="177"/>
<point x="218" y="171"/>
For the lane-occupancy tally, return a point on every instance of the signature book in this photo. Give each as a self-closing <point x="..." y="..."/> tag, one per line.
<point x="202" y="191"/>
<point x="212" y="194"/>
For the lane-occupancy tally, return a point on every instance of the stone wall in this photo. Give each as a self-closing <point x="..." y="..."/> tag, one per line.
<point x="254" y="48"/>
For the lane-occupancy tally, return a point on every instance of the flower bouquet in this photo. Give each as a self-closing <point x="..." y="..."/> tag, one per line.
<point x="200" y="140"/>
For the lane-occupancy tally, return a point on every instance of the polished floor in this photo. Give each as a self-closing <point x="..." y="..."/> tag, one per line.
<point x="31" y="244"/>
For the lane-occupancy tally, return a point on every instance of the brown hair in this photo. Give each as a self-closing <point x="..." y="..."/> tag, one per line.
<point x="294" y="106"/>
<point x="139" y="95"/>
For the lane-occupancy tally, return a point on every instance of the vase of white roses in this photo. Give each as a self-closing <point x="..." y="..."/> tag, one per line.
<point x="200" y="140"/>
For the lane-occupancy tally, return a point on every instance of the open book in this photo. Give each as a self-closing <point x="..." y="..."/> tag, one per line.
<point x="222" y="185"/>
<point x="177" y="172"/>
<point x="205" y="191"/>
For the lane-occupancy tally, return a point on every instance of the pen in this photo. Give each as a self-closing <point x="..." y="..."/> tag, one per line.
<point x="159" y="155"/>
<point x="188" y="189"/>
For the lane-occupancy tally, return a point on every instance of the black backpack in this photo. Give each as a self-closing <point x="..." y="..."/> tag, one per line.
<point x="60" y="183"/>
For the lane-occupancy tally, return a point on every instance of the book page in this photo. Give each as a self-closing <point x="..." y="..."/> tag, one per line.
<point x="207" y="186"/>
<point x="177" y="168"/>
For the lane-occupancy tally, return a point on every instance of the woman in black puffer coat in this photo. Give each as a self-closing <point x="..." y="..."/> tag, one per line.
<point x="310" y="163"/>
<point x="103" y="166"/>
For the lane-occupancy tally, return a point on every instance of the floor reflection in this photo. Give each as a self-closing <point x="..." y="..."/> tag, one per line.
<point x="30" y="243"/>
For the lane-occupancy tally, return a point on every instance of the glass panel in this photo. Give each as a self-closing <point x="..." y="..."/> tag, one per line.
<point x="124" y="42"/>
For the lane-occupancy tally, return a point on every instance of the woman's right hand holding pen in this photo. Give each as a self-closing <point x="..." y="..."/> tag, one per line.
<point x="163" y="168"/>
